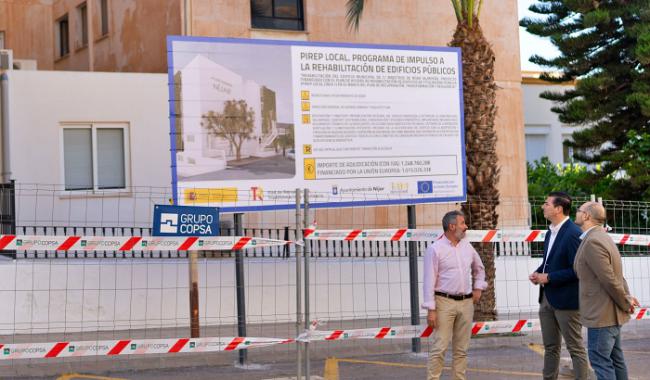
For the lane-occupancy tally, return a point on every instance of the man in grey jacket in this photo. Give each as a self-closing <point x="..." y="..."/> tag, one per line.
<point x="605" y="300"/>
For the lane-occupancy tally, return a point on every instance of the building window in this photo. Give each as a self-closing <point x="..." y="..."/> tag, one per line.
<point x="95" y="157"/>
<point x="2" y="40"/>
<point x="535" y="147"/>
<point x="82" y="13"/>
<point x="62" y="33"/>
<point x="103" y="8"/>
<point x="567" y="152"/>
<point x="277" y="14"/>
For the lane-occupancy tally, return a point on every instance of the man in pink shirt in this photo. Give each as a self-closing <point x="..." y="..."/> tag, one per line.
<point x="454" y="278"/>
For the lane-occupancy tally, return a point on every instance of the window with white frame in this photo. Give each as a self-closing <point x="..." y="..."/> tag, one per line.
<point x="95" y="156"/>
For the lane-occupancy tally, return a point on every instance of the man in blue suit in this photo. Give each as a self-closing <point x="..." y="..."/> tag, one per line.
<point x="558" y="294"/>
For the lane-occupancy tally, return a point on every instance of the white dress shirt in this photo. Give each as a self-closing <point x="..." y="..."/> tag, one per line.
<point x="554" y="231"/>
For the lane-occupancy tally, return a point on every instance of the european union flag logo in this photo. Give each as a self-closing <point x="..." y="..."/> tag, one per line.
<point x="425" y="187"/>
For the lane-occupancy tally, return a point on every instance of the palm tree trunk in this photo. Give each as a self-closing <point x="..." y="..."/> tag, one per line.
<point x="479" y="90"/>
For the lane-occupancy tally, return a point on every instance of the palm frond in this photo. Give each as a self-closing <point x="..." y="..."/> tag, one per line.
<point x="470" y="12"/>
<point x="354" y="12"/>
<point x="457" y="10"/>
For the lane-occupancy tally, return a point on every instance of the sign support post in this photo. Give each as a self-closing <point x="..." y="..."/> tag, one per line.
<point x="307" y="253"/>
<point x="241" y="295"/>
<point x="298" y="291"/>
<point x="191" y="222"/>
<point x="413" y="278"/>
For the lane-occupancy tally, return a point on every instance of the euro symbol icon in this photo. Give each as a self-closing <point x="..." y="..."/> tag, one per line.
<point x="310" y="168"/>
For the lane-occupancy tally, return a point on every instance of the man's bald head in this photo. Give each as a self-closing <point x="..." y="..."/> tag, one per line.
<point x="596" y="212"/>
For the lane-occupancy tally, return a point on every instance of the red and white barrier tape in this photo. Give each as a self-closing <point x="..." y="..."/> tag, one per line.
<point x="131" y="347"/>
<point x="478" y="328"/>
<point x="371" y="333"/>
<point x="402" y="234"/>
<point x="189" y="345"/>
<point x="641" y="313"/>
<point x="234" y="243"/>
<point x="402" y="332"/>
<point x="485" y="236"/>
<point x="133" y="243"/>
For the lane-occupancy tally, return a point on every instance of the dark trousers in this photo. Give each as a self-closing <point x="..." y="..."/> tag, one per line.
<point x="557" y="324"/>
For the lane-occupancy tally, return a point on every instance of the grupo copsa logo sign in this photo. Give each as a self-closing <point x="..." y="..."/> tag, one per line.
<point x="168" y="223"/>
<point x="185" y="221"/>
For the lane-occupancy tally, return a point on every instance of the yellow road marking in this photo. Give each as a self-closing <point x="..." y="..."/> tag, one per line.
<point x="389" y="364"/>
<point x="70" y="376"/>
<point x="331" y="371"/>
<point x="331" y="368"/>
<point x="537" y="348"/>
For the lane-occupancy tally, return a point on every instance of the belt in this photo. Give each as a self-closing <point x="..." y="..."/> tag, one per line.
<point x="454" y="297"/>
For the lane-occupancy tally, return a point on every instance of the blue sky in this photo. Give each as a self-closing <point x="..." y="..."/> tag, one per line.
<point x="530" y="44"/>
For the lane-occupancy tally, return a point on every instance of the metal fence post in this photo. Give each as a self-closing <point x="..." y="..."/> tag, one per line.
<point x="413" y="278"/>
<point x="241" y="295"/>
<point x="8" y="212"/>
<point x="12" y="205"/>
<point x="285" y="250"/>
<point x="298" y="289"/>
<point x="195" y="328"/>
<point x="307" y="251"/>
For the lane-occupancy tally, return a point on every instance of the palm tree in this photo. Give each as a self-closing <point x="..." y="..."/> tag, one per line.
<point x="479" y="92"/>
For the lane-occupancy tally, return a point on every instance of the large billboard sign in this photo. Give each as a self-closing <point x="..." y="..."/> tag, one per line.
<point x="253" y="120"/>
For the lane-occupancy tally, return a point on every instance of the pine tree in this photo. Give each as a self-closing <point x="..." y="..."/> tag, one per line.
<point x="605" y="45"/>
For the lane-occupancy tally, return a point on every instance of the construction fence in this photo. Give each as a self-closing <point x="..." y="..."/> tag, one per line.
<point x="333" y="282"/>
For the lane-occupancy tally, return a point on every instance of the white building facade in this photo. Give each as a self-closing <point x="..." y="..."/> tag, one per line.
<point x="87" y="149"/>
<point x="545" y="133"/>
